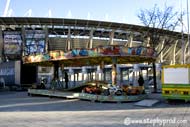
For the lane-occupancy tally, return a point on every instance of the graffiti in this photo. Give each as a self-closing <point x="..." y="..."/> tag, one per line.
<point x="112" y="50"/>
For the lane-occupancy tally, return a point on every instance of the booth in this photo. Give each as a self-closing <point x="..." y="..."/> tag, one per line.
<point x="176" y="82"/>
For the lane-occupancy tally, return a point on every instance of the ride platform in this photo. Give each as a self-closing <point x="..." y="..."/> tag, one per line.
<point x="86" y="96"/>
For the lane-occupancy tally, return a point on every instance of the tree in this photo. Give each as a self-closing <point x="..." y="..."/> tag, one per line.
<point x="158" y="20"/>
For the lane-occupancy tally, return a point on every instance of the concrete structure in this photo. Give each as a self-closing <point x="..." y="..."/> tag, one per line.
<point x="65" y="34"/>
<point x="27" y="35"/>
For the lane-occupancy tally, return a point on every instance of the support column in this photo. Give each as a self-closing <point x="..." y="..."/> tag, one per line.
<point x="130" y="41"/>
<point x="84" y="74"/>
<point x="174" y="52"/>
<point x="112" y="37"/>
<point x="158" y="76"/>
<point x="23" y="40"/>
<point x="74" y="79"/>
<point x="136" y="70"/>
<point x="69" y="39"/>
<point x="147" y="42"/>
<point x="46" y="39"/>
<point x="161" y="47"/>
<point x="128" y="72"/>
<point x="118" y="69"/>
<point x="77" y="76"/>
<point x="114" y="71"/>
<point x="91" y="38"/>
<point x="99" y="73"/>
<point x="183" y="50"/>
<point x="121" y="73"/>
<point x="186" y="53"/>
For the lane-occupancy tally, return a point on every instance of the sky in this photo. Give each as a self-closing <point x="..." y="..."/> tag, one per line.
<point x="122" y="11"/>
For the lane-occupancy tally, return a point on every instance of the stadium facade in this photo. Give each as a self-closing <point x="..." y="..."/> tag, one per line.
<point x="23" y="36"/>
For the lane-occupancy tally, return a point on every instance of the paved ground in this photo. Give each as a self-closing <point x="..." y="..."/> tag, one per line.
<point x="19" y="110"/>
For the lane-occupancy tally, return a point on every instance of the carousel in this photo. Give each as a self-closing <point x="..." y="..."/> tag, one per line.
<point x="94" y="90"/>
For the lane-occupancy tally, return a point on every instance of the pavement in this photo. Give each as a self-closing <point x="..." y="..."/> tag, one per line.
<point x="17" y="109"/>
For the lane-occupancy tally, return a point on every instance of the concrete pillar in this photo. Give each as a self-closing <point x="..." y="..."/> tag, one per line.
<point x="46" y="39"/>
<point x="77" y="76"/>
<point x="128" y="72"/>
<point x="147" y="44"/>
<point x="186" y="51"/>
<point x="174" y="52"/>
<point x="99" y="73"/>
<point x="130" y="41"/>
<point x="114" y="74"/>
<point x="114" y="71"/>
<point x="183" y="52"/>
<point x="91" y="38"/>
<point x="118" y="69"/>
<point x="23" y="40"/>
<point x="161" y="47"/>
<point x="136" y="69"/>
<point x="121" y="75"/>
<point x="111" y="37"/>
<point x="158" y="76"/>
<point x="69" y="39"/>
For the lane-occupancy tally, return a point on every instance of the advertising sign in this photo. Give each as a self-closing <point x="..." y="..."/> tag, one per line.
<point x="35" y="42"/>
<point x="12" y="43"/>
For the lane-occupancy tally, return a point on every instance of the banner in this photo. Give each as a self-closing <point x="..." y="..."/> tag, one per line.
<point x="12" y="43"/>
<point x="35" y="42"/>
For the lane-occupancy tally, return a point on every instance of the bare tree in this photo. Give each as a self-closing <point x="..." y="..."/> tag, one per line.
<point x="158" y="20"/>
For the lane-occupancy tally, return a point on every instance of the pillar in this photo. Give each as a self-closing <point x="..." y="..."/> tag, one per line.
<point x="69" y="39"/>
<point x="158" y="76"/>
<point x="111" y="37"/>
<point x="99" y="73"/>
<point x="118" y="74"/>
<point x="186" y="51"/>
<point x="77" y="76"/>
<point x="74" y="79"/>
<point x="46" y="39"/>
<point x="114" y="70"/>
<point x="128" y="72"/>
<point x="23" y="40"/>
<point x="91" y="38"/>
<point x="136" y="69"/>
<point x="121" y="75"/>
<point x="130" y="40"/>
<point x="84" y="74"/>
<point x="161" y="47"/>
<point x="174" y="52"/>
<point x="182" y="50"/>
<point x="147" y="42"/>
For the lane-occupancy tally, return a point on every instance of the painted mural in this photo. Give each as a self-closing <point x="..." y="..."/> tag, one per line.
<point x="111" y="50"/>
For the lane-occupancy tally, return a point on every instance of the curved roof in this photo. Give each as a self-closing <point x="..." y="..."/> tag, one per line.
<point x="81" y="23"/>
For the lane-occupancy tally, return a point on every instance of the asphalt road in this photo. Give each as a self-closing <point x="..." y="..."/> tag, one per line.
<point x="19" y="110"/>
